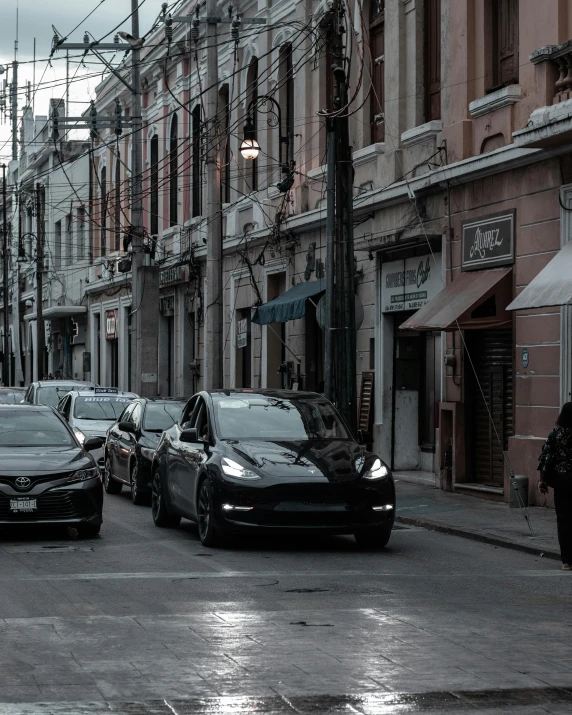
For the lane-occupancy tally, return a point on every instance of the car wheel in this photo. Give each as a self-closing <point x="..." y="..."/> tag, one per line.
<point x="111" y="486"/>
<point x="88" y="531"/>
<point x="137" y="496"/>
<point x="209" y="533"/>
<point x="373" y="538"/>
<point x="161" y="515"/>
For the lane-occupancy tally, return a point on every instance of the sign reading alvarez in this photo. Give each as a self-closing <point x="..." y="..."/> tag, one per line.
<point x="488" y="241"/>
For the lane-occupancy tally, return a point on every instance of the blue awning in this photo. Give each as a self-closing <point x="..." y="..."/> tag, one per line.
<point x="288" y="306"/>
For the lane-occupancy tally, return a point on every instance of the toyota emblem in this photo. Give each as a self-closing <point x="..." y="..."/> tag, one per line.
<point x="23" y="482"/>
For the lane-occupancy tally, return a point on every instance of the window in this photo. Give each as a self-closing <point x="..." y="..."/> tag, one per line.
<point x="117" y="202"/>
<point x="225" y="139"/>
<point x="377" y="47"/>
<point x="81" y="233"/>
<point x="286" y="98"/>
<point x="69" y="239"/>
<point x="251" y="99"/>
<point x="103" y="219"/>
<point x="58" y="246"/>
<point x="197" y="175"/>
<point x="504" y="43"/>
<point x="173" y="172"/>
<point x="432" y="60"/>
<point x="154" y="162"/>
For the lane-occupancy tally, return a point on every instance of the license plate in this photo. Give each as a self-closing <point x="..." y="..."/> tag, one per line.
<point x="23" y="504"/>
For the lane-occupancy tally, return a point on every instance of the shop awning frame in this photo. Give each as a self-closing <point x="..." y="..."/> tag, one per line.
<point x="552" y="286"/>
<point x="291" y="305"/>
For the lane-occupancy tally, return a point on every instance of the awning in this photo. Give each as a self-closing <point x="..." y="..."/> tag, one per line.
<point x="59" y="311"/>
<point x="552" y="286"/>
<point x="475" y="299"/>
<point x="288" y="306"/>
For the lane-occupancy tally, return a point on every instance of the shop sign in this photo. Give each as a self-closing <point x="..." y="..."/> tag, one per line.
<point x="175" y="274"/>
<point x="410" y="283"/>
<point x="110" y="325"/>
<point x="242" y="338"/>
<point x="488" y="242"/>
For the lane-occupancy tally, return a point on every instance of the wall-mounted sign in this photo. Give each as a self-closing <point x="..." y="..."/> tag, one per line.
<point x="410" y="283"/>
<point x="525" y="358"/>
<point x="242" y="333"/>
<point x="488" y="241"/>
<point x="110" y="325"/>
<point x="175" y="274"/>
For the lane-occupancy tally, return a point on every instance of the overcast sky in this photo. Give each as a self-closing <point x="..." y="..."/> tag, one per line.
<point x="36" y="18"/>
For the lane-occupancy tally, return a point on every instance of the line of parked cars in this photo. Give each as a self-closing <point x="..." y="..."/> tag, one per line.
<point x="228" y="460"/>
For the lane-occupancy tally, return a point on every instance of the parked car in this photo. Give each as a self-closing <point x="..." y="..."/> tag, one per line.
<point x="249" y="460"/>
<point x="50" y="392"/>
<point x="90" y="413"/>
<point x="131" y="444"/>
<point x="48" y="477"/>
<point x="12" y="395"/>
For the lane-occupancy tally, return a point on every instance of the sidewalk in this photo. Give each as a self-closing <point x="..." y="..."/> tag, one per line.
<point x="477" y="519"/>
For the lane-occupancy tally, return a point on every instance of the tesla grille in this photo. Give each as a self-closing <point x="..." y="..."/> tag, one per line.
<point x="51" y="506"/>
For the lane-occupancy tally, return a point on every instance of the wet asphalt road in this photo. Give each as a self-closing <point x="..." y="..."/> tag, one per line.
<point x="143" y="620"/>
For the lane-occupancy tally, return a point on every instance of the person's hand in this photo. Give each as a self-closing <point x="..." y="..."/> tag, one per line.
<point x="542" y="486"/>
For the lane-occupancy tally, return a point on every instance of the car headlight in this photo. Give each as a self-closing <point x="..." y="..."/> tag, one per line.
<point x="234" y="469"/>
<point x="147" y="453"/>
<point x="79" y="435"/>
<point x="378" y="470"/>
<point x="83" y="475"/>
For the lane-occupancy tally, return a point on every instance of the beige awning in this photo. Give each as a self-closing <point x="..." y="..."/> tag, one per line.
<point x="475" y="299"/>
<point x="552" y="286"/>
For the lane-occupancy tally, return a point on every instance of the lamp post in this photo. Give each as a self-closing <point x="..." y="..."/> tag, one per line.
<point x="250" y="148"/>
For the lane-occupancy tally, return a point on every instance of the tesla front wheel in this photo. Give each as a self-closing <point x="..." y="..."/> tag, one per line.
<point x="137" y="496"/>
<point x="111" y="486"/>
<point x="161" y="515"/>
<point x="373" y="538"/>
<point x="209" y="534"/>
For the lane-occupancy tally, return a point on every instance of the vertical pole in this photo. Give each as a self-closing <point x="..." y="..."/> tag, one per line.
<point x="14" y="109"/>
<point x="137" y="228"/>
<point x="214" y="340"/>
<point x="5" y="363"/>
<point x="40" y="328"/>
<point x="330" y="259"/>
<point x="67" y="107"/>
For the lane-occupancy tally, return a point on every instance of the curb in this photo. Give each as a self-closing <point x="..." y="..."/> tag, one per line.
<point x="478" y="536"/>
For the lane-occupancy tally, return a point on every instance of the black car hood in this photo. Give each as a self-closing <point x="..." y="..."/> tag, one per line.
<point x="335" y="460"/>
<point x="38" y="461"/>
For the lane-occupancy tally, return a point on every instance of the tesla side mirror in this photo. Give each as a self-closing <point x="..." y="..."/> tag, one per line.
<point x="127" y="427"/>
<point x="189" y="435"/>
<point x="93" y="443"/>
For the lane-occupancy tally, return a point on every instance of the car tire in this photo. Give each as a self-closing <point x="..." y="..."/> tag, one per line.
<point x="161" y="515"/>
<point x="88" y="531"/>
<point x="138" y="497"/>
<point x="209" y="534"/>
<point x="110" y="484"/>
<point x="373" y="538"/>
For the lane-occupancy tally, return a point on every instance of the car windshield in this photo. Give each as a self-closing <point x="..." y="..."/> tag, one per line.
<point x="262" y="417"/>
<point x="160" y="416"/>
<point x="11" y="398"/>
<point x="100" y="407"/>
<point x="52" y="394"/>
<point x="27" y="428"/>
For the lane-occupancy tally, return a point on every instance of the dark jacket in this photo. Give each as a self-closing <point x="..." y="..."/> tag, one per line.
<point x="557" y="451"/>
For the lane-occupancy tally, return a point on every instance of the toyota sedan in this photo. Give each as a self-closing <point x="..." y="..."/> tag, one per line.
<point x="267" y="460"/>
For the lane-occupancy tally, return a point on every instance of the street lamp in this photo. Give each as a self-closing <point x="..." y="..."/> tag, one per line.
<point x="249" y="148"/>
<point x="22" y="256"/>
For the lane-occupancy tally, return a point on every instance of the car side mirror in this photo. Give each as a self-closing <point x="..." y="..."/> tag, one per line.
<point x="127" y="427"/>
<point x="190" y="435"/>
<point x="93" y="443"/>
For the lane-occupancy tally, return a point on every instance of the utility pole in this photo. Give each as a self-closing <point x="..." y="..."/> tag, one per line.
<point x="330" y="262"/>
<point x="40" y="327"/>
<point x="214" y="317"/>
<point x="342" y="316"/>
<point x="5" y="363"/>
<point x="14" y="106"/>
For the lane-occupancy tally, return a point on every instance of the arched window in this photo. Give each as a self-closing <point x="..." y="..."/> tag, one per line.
<point x="251" y="98"/>
<point x="377" y="45"/>
<point x="197" y="174"/>
<point x="154" y="188"/>
<point x="173" y="172"/>
<point x="117" y="202"/>
<point x="103" y="205"/>
<point x="224" y="104"/>
<point x="286" y="99"/>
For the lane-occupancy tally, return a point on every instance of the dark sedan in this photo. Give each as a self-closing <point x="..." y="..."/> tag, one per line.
<point x="131" y="444"/>
<point x="46" y="476"/>
<point x="267" y="460"/>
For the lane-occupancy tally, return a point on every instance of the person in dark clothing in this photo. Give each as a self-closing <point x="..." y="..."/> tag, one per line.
<point x="556" y="461"/>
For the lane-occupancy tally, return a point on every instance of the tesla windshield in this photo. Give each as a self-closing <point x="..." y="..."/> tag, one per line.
<point x="100" y="407"/>
<point x="26" y="428"/>
<point x="161" y="416"/>
<point x="262" y="417"/>
<point x="52" y="394"/>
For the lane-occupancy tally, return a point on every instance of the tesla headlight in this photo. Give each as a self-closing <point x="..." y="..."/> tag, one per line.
<point x="79" y="435"/>
<point x="83" y="475"/>
<point x="234" y="469"/>
<point x="378" y="470"/>
<point x="147" y="453"/>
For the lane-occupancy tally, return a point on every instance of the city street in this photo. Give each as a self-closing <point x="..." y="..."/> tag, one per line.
<point x="143" y="620"/>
